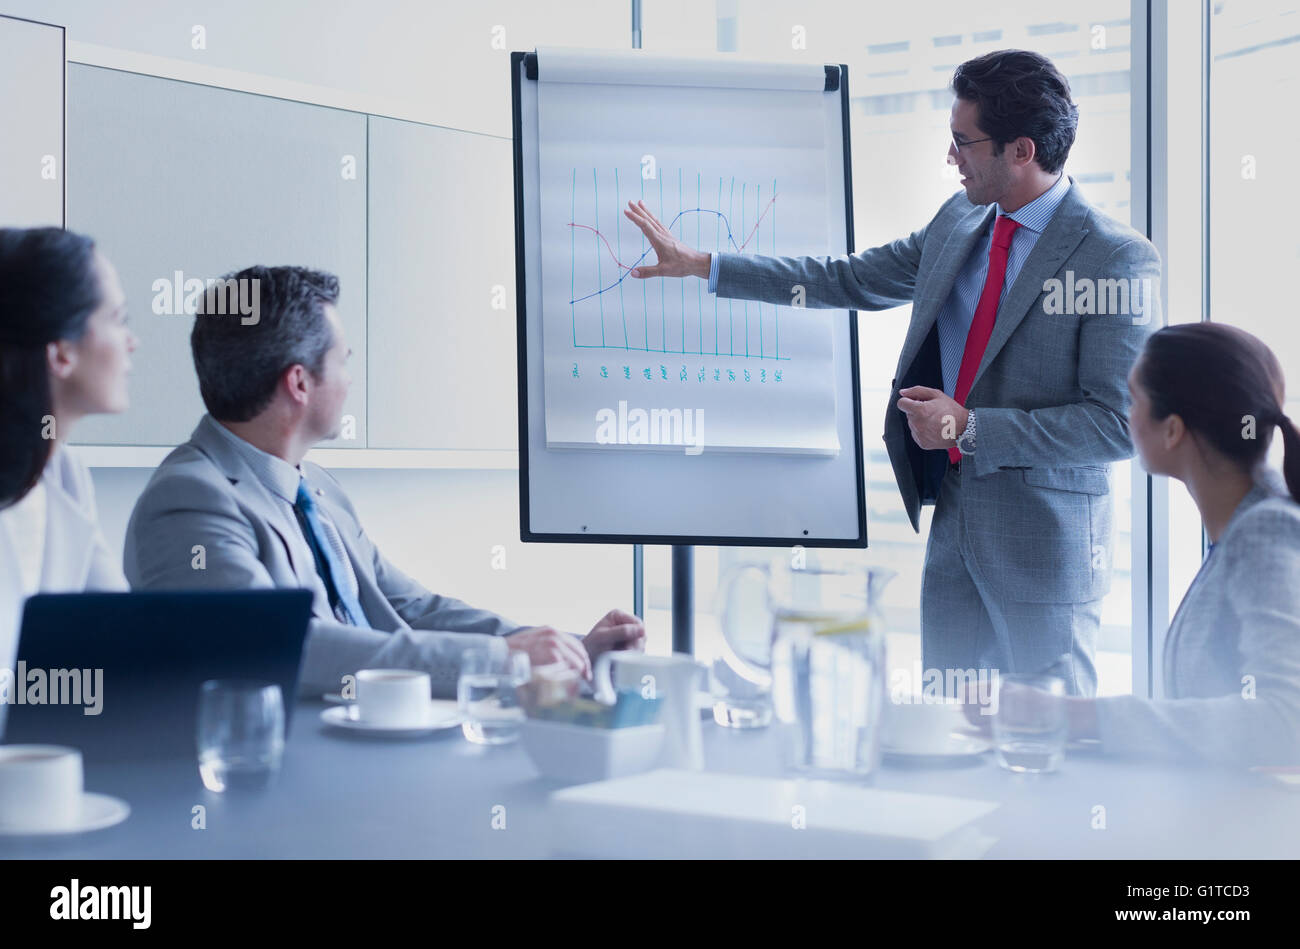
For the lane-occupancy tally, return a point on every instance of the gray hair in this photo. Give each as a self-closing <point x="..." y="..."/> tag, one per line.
<point x="240" y="361"/>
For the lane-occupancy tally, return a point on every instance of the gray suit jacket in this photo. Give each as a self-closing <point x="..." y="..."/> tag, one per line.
<point x="1240" y="618"/>
<point x="204" y="493"/>
<point x="1051" y="393"/>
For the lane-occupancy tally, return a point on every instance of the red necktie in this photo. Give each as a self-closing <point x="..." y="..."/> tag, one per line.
<point x="986" y="311"/>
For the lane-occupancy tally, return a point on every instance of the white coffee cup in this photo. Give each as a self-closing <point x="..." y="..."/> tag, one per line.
<point x="395" y="697"/>
<point x="922" y="725"/>
<point x="40" y="787"/>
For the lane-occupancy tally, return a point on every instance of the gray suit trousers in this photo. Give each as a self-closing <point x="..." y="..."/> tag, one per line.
<point x="966" y="625"/>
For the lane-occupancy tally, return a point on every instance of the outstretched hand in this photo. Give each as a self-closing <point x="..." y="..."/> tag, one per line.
<point x="675" y="259"/>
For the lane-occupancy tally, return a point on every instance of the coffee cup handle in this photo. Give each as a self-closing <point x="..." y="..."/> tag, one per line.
<point x="602" y="684"/>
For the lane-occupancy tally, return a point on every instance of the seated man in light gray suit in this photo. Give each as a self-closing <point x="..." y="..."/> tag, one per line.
<point x="236" y="507"/>
<point x="1009" y="400"/>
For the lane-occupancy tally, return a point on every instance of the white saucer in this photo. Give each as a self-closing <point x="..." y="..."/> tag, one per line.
<point x="97" y="812"/>
<point x="956" y="745"/>
<point x="443" y="714"/>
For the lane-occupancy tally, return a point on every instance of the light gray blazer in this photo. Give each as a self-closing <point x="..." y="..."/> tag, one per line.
<point x="76" y="557"/>
<point x="203" y="493"/>
<point x="1232" y="654"/>
<point x="1051" y="393"/>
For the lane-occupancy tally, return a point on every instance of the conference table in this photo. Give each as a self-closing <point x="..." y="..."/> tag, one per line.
<point x="340" y="795"/>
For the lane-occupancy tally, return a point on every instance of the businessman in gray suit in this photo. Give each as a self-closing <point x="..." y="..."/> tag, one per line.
<point x="236" y="507"/>
<point x="1010" y="400"/>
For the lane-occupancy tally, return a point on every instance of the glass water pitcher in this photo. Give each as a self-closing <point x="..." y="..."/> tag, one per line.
<point x="822" y="655"/>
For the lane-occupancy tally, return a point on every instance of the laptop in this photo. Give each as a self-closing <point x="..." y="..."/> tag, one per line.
<point x="135" y="662"/>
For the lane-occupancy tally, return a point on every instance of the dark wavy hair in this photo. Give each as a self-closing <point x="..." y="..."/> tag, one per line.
<point x="239" y="364"/>
<point x="48" y="289"/>
<point x="1021" y="93"/>
<point x="1213" y="376"/>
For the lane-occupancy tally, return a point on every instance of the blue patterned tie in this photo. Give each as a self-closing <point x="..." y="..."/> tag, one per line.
<point x="328" y="565"/>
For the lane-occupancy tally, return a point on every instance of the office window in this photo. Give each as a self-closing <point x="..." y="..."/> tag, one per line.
<point x="900" y="61"/>
<point x="1254" y="201"/>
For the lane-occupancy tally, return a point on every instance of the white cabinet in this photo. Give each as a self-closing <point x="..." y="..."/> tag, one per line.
<point x="177" y="181"/>
<point x="442" y="291"/>
<point x="31" y="124"/>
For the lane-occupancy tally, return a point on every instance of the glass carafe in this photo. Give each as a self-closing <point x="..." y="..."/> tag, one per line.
<point x="824" y="661"/>
<point x="828" y="666"/>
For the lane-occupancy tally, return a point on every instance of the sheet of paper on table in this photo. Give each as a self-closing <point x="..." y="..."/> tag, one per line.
<point x="685" y="814"/>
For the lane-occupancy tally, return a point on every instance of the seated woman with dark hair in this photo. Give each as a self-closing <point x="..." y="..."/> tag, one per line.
<point x="64" y="353"/>
<point x="1206" y="399"/>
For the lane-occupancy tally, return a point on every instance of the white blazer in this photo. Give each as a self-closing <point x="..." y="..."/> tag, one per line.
<point x="75" y="558"/>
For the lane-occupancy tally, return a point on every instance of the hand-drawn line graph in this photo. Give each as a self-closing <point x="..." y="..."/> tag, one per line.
<point x="605" y="313"/>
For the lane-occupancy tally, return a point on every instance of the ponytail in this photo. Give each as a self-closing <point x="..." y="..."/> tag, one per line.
<point x="1291" y="456"/>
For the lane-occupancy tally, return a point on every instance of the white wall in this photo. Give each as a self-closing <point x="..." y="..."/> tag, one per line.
<point x="438" y="61"/>
<point x="437" y="55"/>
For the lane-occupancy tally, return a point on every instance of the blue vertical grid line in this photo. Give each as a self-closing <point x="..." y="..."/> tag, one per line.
<point x="742" y="234"/>
<point x="573" y="251"/>
<point x="663" y="310"/>
<point x="731" y="326"/>
<point x="717" y="241"/>
<point x="681" y="232"/>
<point x="645" y="309"/>
<point x="618" y="237"/>
<point x="595" y="193"/>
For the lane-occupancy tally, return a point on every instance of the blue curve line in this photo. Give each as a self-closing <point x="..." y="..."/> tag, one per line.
<point x="730" y="237"/>
<point x="720" y="220"/>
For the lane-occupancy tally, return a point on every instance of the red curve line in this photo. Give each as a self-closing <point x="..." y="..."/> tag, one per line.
<point x="739" y="247"/>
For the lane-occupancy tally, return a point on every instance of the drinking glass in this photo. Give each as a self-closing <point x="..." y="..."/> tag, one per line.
<point x="1030" y="727"/>
<point x="240" y="733"/>
<point x="488" y="692"/>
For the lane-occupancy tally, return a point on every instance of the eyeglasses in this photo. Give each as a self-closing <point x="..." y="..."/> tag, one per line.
<point x="958" y="146"/>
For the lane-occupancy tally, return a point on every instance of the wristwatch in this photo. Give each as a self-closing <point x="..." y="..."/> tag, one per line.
<point x="966" y="440"/>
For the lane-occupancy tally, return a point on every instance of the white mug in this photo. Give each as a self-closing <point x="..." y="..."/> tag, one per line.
<point x="675" y="680"/>
<point x="922" y="725"/>
<point x="40" y="787"/>
<point x="395" y="697"/>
